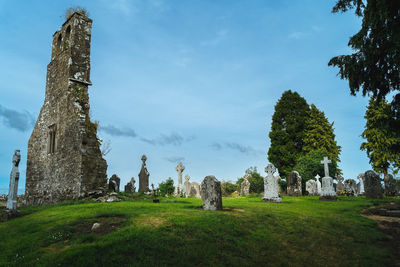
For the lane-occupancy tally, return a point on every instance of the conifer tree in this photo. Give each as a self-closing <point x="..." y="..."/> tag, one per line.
<point x="287" y="131"/>
<point x="319" y="136"/>
<point x="383" y="144"/>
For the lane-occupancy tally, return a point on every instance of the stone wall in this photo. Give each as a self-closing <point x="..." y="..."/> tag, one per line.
<point x="71" y="165"/>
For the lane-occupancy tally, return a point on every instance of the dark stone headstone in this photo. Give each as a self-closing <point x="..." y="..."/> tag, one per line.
<point x="372" y="186"/>
<point x="350" y="187"/>
<point x="144" y="176"/>
<point x="390" y="186"/>
<point x="113" y="184"/>
<point x="130" y="186"/>
<point x="211" y="193"/>
<point x="294" y="184"/>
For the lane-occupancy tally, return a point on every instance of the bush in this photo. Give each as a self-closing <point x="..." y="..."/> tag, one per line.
<point x="255" y="179"/>
<point x="167" y="187"/>
<point x="228" y="188"/>
<point x="72" y="10"/>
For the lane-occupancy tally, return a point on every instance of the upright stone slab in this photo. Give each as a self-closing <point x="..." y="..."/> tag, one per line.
<point x="294" y="184"/>
<point x="350" y="187"/>
<point x="180" y="168"/>
<point x="360" y="186"/>
<point x="390" y="186"/>
<point x="195" y="190"/>
<point x="372" y="185"/>
<point x="211" y="193"/>
<point x="327" y="190"/>
<point x="187" y="185"/>
<point x="271" y="185"/>
<point x="311" y="187"/>
<point x="64" y="161"/>
<point x="317" y="177"/>
<point x="245" y="186"/>
<point x="114" y="183"/>
<point x="14" y="178"/>
<point x="130" y="186"/>
<point x="340" y="185"/>
<point x="144" y="176"/>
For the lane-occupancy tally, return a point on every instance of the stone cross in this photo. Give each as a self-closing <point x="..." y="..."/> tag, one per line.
<point x="144" y="158"/>
<point x="270" y="169"/>
<point x="180" y="168"/>
<point x="144" y="176"/>
<point x="326" y="168"/>
<point x="318" y="184"/>
<point x="14" y="177"/>
<point x="271" y="185"/>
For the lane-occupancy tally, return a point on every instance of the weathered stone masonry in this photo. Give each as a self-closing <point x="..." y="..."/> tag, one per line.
<point x="64" y="159"/>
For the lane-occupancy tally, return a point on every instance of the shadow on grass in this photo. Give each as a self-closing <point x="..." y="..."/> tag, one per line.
<point x="176" y="201"/>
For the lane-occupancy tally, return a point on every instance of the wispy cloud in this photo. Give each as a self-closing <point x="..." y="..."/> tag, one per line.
<point x="171" y="139"/>
<point x="238" y="147"/>
<point x="115" y="131"/>
<point x="20" y="121"/>
<point x="219" y="37"/>
<point x="298" y="35"/>
<point x="174" y="159"/>
<point x="124" y="6"/>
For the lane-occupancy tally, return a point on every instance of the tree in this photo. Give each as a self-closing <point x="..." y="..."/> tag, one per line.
<point x="319" y="136"/>
<point x="228" y="188"/>
<point x="287" y="131"/>
<point x="309" y="165"/>
<point x="383" y="144"/>
<point x="375" y="65"/>
<point x="167" y="187"/>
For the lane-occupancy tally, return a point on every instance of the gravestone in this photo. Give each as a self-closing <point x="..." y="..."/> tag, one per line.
<point x="245" y="186"/>
<point x="114" y="182"/>
<point x="130" y="186"/>
<point x="186" y="185"/>
<point x="340" y="185"/>
<point x="144" y="176"/>
<point x="195" y="190"/>
<point x="390" y="186"/>
<point x="350" y="187"/>
<point x="317" y="177"/>
<point x="360" y="185"/>
<point x="372" y="185"/>
<point x="14" y="178"/>
<point x="211" y="193"/>
<point x="271" y="185"/>
<point x="294" y="184"/>
<point x="311" y="187"/>
<point x="180" y="168"/>
<point x="327" y="190"/>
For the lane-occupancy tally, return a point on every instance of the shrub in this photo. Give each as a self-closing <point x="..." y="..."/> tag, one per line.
<point x="228" y="188"/>
<point x="78" y="9"/>
<point x="167" y="187"/>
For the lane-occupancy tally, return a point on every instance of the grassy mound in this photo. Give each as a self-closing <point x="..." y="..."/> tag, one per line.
<point x="299" y="231"/>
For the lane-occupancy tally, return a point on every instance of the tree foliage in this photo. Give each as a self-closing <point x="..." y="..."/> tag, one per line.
<point x="228" y="188"/>
<point x="255" y="179"/>
<point x="383" y="144"/>
<point x="287" y="131"/>
<point x="167" y="187"/>
<point x="375" y="65"/>
<point x="319" y="135"/>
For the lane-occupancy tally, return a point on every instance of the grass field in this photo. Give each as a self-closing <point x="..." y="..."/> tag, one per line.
<point x="298" y="232"/>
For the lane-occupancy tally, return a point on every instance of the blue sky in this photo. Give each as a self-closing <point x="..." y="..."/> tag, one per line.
<point x="191" y="81"/>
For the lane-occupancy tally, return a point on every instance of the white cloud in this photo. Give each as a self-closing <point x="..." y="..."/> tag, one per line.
<point x="298" y="35"/>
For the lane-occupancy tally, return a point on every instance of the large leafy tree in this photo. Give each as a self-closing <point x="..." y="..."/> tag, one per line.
<point x="287" y="131"/>
<point x="383" y="144"/>
<point x="375" y="65"/>
<point x="319" y="135"/>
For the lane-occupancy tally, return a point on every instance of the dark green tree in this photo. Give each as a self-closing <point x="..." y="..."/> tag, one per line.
<point x="319" y="135"/>
<point x="309" y="165"/>
<point x="228" y="188"/>
<point x="287" y="131"/>
<point x="383" y="144"/>
<point x="166" y="187"/>
<point x="375" y="65"/>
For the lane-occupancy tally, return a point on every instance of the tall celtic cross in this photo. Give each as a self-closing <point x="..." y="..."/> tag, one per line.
<point x="180" y="168"/>
<point x="270" y="169"/>
<point x="326" y="168"/>
<point x="144" y="158"/>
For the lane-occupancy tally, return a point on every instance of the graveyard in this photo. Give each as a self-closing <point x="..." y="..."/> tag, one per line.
<point x="182" y="199"/>
<point x="300" y="231"/>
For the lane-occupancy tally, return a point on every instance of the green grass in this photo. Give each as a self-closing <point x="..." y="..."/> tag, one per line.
<point x="298" y="232"/>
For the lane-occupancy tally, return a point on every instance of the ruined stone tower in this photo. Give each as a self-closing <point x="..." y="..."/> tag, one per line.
<point x="64" y="159"/>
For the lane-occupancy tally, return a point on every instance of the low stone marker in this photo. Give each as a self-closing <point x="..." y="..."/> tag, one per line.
<point x="340" y="185"/>
<point x="211" y="193"/>
<point x="350" y="187"/>
<point x="294" y="184"/>
<point x="130" y="186"/>
<point x="195" y="190"/>
<point x="113" y="183"/>
<point x="311" y="187"/>
<point x="327" y="190"/>
<point x="271" y="185"/>
<point x="360" y="185"/>
<point x="372" y="185"/>
<point x="391" y="187"/>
